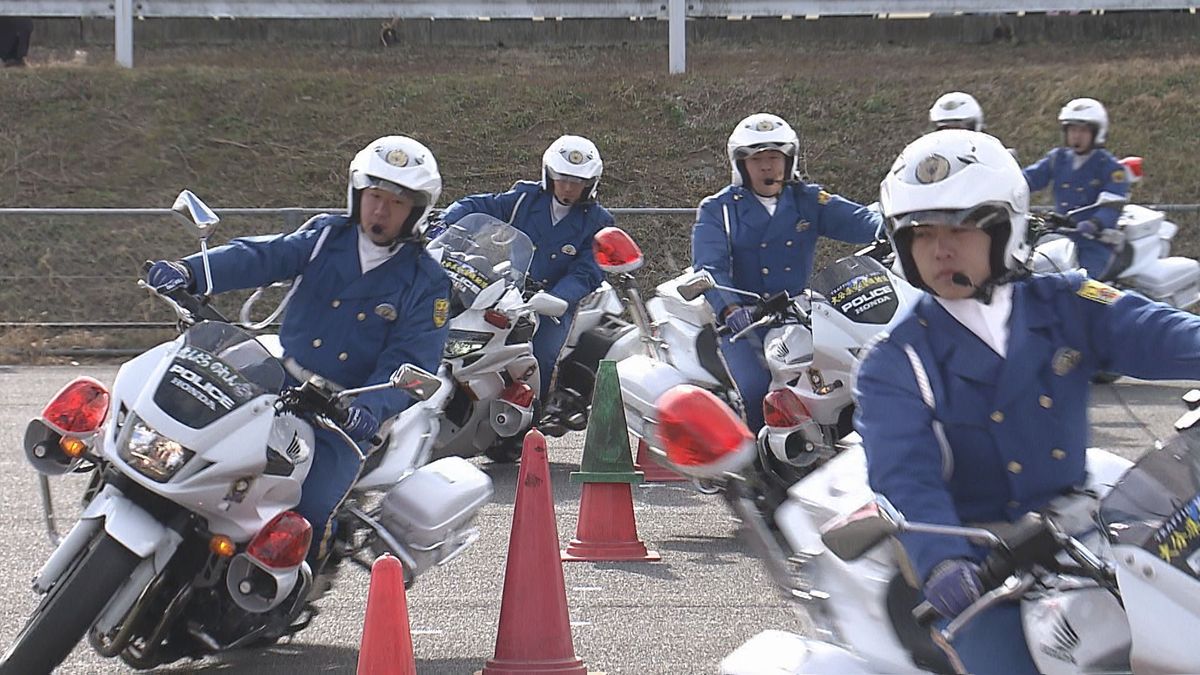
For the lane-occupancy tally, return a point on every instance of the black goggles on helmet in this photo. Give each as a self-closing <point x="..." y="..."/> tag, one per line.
<point x="362" y="181"/>
<point x="745" y="151"/>
<point x="983" y="217"/>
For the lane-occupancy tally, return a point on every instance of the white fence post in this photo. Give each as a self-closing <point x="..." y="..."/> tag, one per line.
<point x="677" y="35"/>
<point x="123" y="15"/>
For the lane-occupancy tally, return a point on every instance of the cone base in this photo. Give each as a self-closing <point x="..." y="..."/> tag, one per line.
<point x="625" y="551"/>
<point x="572" y="666"/>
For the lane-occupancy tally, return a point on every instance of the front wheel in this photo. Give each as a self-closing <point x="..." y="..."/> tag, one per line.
<point x="69" y="608"/>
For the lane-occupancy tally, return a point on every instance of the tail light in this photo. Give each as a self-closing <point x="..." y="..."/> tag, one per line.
<point x="283" y="542"/>
<point x="78" y="408"/>
<point x="518" y="394"/>
<point x="702" y="437"/>
<point x="1133" y="167"/>
<point x="782" y="408"/>
<point x="616" y="251"/>
<point x="497" y="319"/>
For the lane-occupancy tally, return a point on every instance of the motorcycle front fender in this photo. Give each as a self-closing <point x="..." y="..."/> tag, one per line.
<point x="127" y="522"/>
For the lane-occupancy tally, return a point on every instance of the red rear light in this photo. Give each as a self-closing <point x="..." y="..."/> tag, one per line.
<point x="78" y="408"/>
<point x="1133" y="166"/>
<point x="283" y="542"/>
<point x="497" y="319"/>
<point x="518" y="394"/>
<point x="701" y="435"/>
<point x="616" y="251"/>
<point x="782" y="408"/>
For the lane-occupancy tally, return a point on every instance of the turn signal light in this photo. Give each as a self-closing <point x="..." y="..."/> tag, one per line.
<point x="222" y="546"/>
<point x="78" y="408"/>
<point x="72" y="447"/>
<point x="783" y="409"/>
<point x="616" y="251"/>
<point x="283" y="542"/>
<point x="497" y="319"/>
<point x="702" y="436"/>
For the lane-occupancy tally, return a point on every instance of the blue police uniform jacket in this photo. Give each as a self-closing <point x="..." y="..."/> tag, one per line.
<point x="956" y="434"/>
<point x="745" y="247"/>
<point x="563" y="262"/>
<point x="352" y="328"/>
<point x="1074" y="188"/>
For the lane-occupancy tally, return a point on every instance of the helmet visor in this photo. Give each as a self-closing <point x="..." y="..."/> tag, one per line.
<point x="745" y="151"/>
<point x="566" y="178"/>
<point x="984" y="216"/>
<point x="362" y="181"/>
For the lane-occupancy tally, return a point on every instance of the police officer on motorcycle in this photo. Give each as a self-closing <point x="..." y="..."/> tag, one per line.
<point x="367" y="298"/>
<point x="759" y="234"/>
<point x="973" y="409"/>
<point x="561" y="215"/>
<point x="1079" y="172"/>
<point x="956" y="110"/>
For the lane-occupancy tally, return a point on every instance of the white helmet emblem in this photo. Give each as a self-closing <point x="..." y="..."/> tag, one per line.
<point x="932" y="169"/>
<point x="764" y="125"/>
<point x="576" y="157"/>
<point x="396" y="157"/>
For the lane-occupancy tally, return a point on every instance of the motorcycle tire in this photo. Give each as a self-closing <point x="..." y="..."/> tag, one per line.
<point x="69" y="608"/>
<point x="505" y="450"/>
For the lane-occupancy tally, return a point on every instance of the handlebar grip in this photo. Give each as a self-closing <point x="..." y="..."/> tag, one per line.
<point x="925" y="614"/>
<point x="375" y="440"/>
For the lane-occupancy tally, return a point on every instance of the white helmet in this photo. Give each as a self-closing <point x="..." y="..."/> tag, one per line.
<point x="573" y="157"/>
<point x="956" y="177"/>
<point x="1087" y="111"/>
<point x="757" y="133"/>
<point x="956" y="110"/>
<point x="402" y="166"/>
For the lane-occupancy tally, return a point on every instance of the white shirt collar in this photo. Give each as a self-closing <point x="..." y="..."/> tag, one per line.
<point x="988" y="322"/>
<point x="370" y="254"/>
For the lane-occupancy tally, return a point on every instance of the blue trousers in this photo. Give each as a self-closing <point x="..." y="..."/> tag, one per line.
<point x="548" y="343"/>
<point x="334" y="470"/>
<point x="748" y="367"/>
<point x="1094" y="256"/>
<point x="994" y="642"/>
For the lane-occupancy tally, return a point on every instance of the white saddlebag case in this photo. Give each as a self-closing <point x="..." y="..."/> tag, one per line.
<point x="434" y="502"/>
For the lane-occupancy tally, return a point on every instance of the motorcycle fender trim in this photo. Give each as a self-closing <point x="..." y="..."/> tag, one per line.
<point x="126" y="522"/>
<point x="81" y="533"/>
<point x="776" y="652"/>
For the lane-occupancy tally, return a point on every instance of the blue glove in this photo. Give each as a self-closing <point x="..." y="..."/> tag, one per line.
<point x="739" y="319"/>
<point x="1088" y="227"/>
<point x="360" y="424"/>
<point x="166" y="276"/>
<point x="953" y="586"/>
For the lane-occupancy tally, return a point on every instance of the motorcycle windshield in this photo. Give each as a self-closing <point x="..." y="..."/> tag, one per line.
<point x="860" y="288"/>
<point x="1156" y="504"/>
<point x="479" y="250"/>
<point x="218" y="368"/>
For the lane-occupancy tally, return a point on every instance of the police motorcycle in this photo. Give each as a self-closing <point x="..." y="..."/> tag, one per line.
<point x="488" y="369"/>
<point x="186" y="545"/>
<point x="1142" y="239"/>
<point x="1107" y="578"/>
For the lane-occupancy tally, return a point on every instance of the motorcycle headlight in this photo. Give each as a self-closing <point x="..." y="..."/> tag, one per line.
<point x="463" y="342"/>
<point x="153" y="455"/>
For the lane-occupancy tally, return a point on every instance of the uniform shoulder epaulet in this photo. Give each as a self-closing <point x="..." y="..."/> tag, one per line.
<point x="525" y="186"/>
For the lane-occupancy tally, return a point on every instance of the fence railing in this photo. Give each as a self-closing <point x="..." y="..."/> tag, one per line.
<point x="674" y="11"/>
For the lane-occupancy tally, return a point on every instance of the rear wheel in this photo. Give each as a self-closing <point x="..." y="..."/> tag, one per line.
<point x="69" y="608"/>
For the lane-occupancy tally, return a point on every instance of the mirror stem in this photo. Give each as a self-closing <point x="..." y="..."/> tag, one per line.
<point x="207" y="269"/>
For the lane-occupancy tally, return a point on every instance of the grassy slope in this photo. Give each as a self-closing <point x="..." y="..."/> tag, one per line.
<point x="261" y="126"/>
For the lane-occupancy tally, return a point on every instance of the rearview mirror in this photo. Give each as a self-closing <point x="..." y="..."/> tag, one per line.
<point x="547" y="305"/>
<point x="419" y="383"/>
<point x="696" y="285"/>
<point x="195" y="214"/>
<point x="850" y="536"/>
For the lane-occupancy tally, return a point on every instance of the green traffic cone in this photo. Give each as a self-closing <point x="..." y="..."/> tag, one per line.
<point x="606" y="455"/>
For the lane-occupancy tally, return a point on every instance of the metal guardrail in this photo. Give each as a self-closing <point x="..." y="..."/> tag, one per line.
<point x="674" y="11"/>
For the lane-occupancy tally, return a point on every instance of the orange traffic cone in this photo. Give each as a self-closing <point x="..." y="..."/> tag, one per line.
<point x="606" y="529"/>
<point x="535" y="628"/>
<point x="386" y="641"/>
<point x="654" y="472"/>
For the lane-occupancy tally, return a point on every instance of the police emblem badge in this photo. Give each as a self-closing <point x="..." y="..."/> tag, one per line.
<point x="823" y="197"/>
<point x="1099" y="292"/>
<point x="386" y="312"/>
<point x="1065" y="360"/>
<point x="441" y="312"/>
<point x="802" y="225"/>
<point x="569" y="249"/>
<point x="1118" y="176"/>
<point x="575" y="157"/>
<point x="396" y="157"/>
<point x="932" y="169"/>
